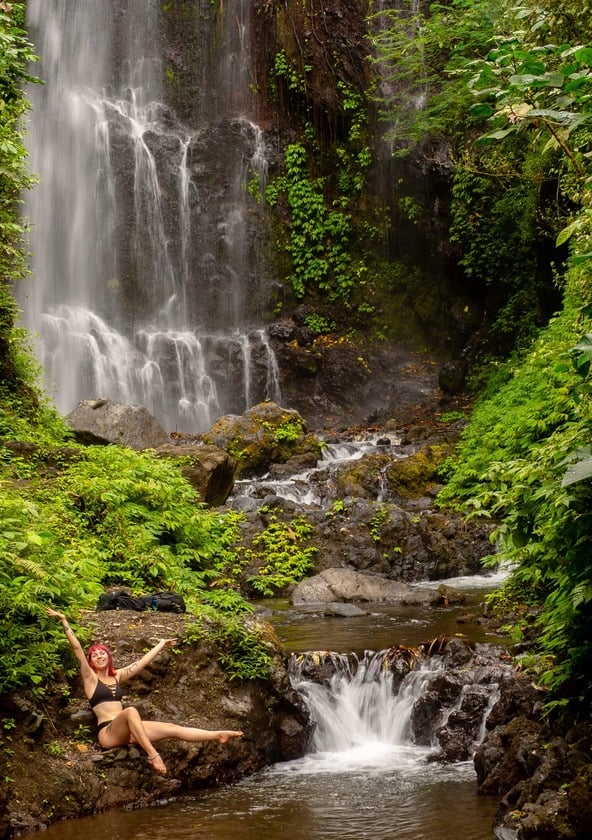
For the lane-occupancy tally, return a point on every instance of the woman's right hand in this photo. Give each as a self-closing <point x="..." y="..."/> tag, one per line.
<point x="55" y="614"/>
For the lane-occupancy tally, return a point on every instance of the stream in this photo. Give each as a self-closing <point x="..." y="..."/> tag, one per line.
<point x="362" y="777"/>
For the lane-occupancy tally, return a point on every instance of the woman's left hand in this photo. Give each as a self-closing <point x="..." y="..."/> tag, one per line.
<point x="169" y="642"/>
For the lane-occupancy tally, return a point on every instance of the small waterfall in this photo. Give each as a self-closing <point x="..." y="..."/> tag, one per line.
<point x="313" y="487"/>
<point x="144" y="269"/>
<point x="362" y="708"/>
<point x="273" y="389"/>
<point x="357" y="707"/>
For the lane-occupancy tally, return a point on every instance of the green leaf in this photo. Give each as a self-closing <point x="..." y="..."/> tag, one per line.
<point x="584" y="55"/>
<point x="482" y="109"/>
<point x="580" y="259"/>
<point x="566" y="233"/>
<point x="497" y="135"/>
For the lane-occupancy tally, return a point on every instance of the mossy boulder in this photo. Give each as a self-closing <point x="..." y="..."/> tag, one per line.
<point x="265" y="434"/>
<point x="406" y="478"/>
<point x="417" y="475"/>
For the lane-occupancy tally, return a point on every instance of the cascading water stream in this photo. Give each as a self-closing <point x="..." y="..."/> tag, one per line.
<point x="363" y="718"/>
<point x="312" y="487"/>
<point x="143" y="268"/>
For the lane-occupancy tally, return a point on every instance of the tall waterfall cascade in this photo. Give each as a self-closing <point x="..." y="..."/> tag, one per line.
<point x="148" y="286"/>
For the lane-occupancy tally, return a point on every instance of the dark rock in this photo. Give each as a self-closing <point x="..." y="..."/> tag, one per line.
<point x="208" y="469"/>
<point x="458" y="736"/>
<point x="452" y="376"/>
<point x="500" y="758"/>
<point x="263" y="435"/>
<point x="457" y="653"/>
<point x="104" y="421"/>
<point x="425" y="716"/>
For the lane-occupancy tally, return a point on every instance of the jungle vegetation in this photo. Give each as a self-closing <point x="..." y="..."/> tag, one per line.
<point x="508" y="89"/>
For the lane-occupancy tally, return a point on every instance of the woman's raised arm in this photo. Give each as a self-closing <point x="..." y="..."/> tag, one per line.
<point x="74" y="643"/>
<point x="124" y="674"/>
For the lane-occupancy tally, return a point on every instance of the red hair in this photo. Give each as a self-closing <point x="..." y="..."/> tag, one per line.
<point x="111" y="668"/>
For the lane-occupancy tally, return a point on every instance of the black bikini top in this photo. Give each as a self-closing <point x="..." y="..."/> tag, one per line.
<point x="104" y="693"/>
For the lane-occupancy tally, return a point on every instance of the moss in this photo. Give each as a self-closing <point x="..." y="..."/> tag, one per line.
<point x="411" y="477"/>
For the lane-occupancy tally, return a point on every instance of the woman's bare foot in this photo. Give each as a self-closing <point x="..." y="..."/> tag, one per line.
<point x="157" y="763"/>
<point x="226" y="734"/>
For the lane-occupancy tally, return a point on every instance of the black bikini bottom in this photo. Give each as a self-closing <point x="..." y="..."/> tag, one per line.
<point x="104" y="724"/>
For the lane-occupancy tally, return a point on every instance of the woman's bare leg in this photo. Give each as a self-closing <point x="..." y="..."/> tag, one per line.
<point x="128" y="728"/>
<point x="157" y="730"/>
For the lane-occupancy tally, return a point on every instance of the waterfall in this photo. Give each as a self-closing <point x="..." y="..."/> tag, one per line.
<point x="362" y="709"/>
<point x="358" y="716"/>
<point x="146" y="273"/>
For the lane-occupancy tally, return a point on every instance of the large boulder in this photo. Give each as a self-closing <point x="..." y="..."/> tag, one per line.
<point x="58" y="771"/>
<point x="348" y="585"/>
<point x="208" y="469"/>
<point x="263" y="435"/>
<point x="104" y="421"/>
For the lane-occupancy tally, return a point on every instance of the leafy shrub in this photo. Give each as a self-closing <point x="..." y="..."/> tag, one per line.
<point x="281" y="557"/>
<point x="244" y="653"/>
<point x="511" y="467"/>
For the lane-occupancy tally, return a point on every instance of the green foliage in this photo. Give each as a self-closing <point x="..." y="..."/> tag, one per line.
<point x="289" y="431"/>
<point x="542" y="89"/>
<point x="378" y="520"/>
<point x="494" y="221"/>
<point x="337" y="507"/>
<point x="283" y="69"/>
<point x="318" y="324"/>
<point x="280" y="554"/>
<point x="445" y="69"/>
<point x="537" y="93"/>
<point x="524" y="460"/>
<point x="421" y="53"/>
<point x="244" y="652"/>
<point x="511" y="468"/>
<point x="16" y="54"/>
<point x="54" y="749"/>
<point x="27" y="414"/>
<point x="112" y="516"/>
<point x="319" y="235"/>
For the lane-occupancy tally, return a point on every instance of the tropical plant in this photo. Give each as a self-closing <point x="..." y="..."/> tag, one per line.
<point x="110" y="516"/>
<point x="282" y="555"/>
<point x="243" y="651"/>
<point x="511" y="468"/>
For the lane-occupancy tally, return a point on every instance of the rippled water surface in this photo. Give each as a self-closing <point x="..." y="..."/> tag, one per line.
<point x="383" y="626"/>
<point x="314" y="800"/>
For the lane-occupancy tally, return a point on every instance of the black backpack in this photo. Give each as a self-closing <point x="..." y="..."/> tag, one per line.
<point x="120" y="600"/>
<point x="164" y="602"/>
<point x="160" y="601"/>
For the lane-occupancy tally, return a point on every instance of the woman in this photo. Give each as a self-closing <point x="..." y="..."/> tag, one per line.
<point x="118" y="726"/>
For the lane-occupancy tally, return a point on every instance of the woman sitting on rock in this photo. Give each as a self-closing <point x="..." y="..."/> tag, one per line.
<point x="119" y="726"/>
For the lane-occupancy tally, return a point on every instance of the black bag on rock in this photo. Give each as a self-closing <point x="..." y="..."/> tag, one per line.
<point x="164" y="602"/>
<point x="120" y="600"/>
<point x="160" y="601"/>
